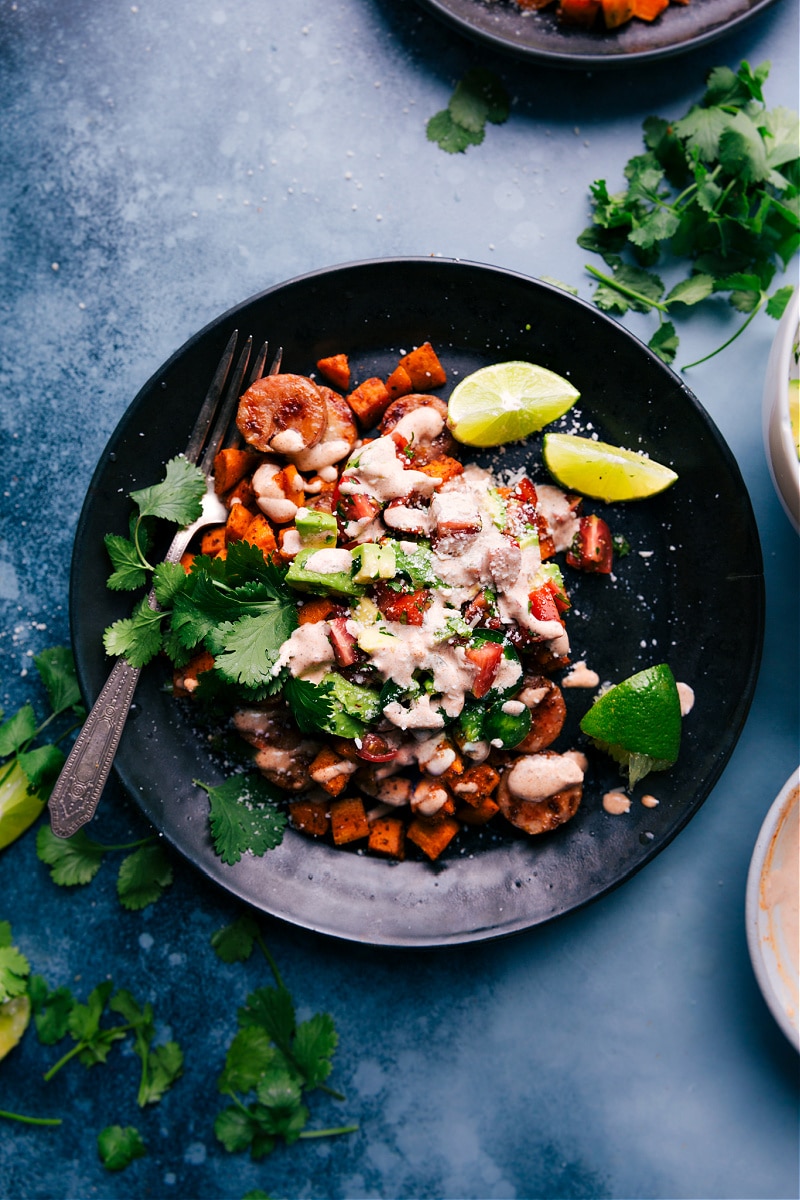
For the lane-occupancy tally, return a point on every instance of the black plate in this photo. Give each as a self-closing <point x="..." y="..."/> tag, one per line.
<point x="691" y="593"/>
<point x="540" y="37"/>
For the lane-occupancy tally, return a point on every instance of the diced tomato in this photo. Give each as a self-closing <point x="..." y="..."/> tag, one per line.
<point x="406" y="607"/>
<point x="486" y="657"/>
<point x="345" y="647"/>
<point x="592" y="550"/>
<point x="543" y="604"/>
<point x="355" y="506"/>
<point x="375" y="748"/>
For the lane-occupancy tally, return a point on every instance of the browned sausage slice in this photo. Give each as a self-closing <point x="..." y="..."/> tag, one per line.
<point x="282" y="413"/>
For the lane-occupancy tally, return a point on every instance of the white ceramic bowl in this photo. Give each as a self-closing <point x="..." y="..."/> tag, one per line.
<point x="771" y="908"/>
<point x="779" y="439"/>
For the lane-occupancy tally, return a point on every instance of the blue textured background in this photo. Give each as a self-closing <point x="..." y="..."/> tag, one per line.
<point x="162" y="161"/>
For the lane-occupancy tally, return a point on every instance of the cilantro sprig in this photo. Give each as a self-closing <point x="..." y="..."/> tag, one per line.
<point x="717" y="192"/>
<point x="144" y="873"/>
<point x="273" y="1061"/>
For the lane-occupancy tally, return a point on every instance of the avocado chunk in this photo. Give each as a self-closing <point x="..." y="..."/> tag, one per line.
<point x="318" y="528"/>
<point x="322" y="583"/>
<point x="373" y="562"/>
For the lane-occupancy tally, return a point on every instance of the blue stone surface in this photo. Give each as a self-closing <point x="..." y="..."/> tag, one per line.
<point x="163" y="161"/>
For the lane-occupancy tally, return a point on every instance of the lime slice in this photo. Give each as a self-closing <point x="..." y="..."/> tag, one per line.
<point x="638" y="722"/>
<point x="601" y="471"/>
<point x="14" y="1017"/>
<point x="506" y="402"/>
<point x="20" y="805"/>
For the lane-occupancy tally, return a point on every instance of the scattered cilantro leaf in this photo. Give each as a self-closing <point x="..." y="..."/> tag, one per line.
<point x="162" y="1063"/>
<point x="244" y="815"/>
<point x="73" y="861"/>
<point x="51" y="1010"/>
<point x="143" y="876"/>
<point x="177" y="497"/>
<point x="119" y="1146"/>
<point x="477" y="98"/>
<point x="234" y="943"/>
<point x="138" y="637"/>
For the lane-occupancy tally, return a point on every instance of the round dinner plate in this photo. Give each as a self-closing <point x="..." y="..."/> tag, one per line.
<point x="690" y="592"/>
<point x="539" y="36"/>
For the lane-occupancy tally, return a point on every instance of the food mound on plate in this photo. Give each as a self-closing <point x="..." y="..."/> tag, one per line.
<point x="430" y="613"/>
<point x="605" y="14"/>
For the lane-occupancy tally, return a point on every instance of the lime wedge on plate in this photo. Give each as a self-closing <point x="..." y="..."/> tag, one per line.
<point x="506" y="402"/>
<point x="601" y="471"/>
<point x="638" y="722"/>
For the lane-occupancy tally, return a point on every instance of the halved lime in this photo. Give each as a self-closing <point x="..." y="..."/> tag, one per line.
<point x="602" y="471"/>
<point x="14" y="1017"/>
<point x="507" y="401"/>
<point x="638" y="722"/>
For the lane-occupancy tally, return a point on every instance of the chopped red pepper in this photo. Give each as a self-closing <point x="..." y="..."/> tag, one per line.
<point x="375" y="748"/>
<point x="592" y="549"/>
<point x="345" y="647"/>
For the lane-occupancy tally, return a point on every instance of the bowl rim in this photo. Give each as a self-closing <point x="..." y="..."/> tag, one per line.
<point x="755" y="916"/>
<point x="776" y="425"/>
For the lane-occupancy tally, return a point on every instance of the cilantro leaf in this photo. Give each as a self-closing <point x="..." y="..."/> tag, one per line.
<point x="691" y="290"/>
<point x="449" y="135"/>
<point x="41" y="765"/>
<point x="119" y="1146"/>
<point x="234" y="943"/>
<point x="161" y="1063"/>
<point x="313" y="1047"/>
<point x="138" y="637"/>
<point x="17" y="730"/>
<point x="73" y="860"/>
<point x="56" y="667"/>
<point x="246" y="651"/>
<point x="249" y="1056"/>
<point x="129" y="571"/>
<point x="479" y="97"/>
<point x="776" y="304"/>
<point x="51" y="1010"/>
<point x="244" y="816"/>
<point x="178" y="497"/>
<point x="143" y="877"/>
<point x="237" y="1129"/>
<point x="664" y="342"/>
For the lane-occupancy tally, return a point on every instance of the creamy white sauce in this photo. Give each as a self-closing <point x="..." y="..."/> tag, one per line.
<point x="616" y="803"/>
<point x="307" y="653"/>
<point x="421" y="424"/>
<point x="580" y="676"/>
<point x="329" y="561"/>
<point x="538" y="776"/>
<point x="560" y="517"/>
<point x="288" y="441"/>
<point x="686" y="697"/>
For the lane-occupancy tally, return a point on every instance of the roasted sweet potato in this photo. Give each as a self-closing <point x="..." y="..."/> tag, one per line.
<point x="423" y="368"/>
<point x="315" y="608"/>
<point x="369" y="401"/>
<point x="232" y="465"/>
<point x="348" y="821"/>
<point x="330" y="771"/>
<point x="648" y="10"/>
<point x="239" y="520"/>
<point x="617" y="12"/>
<point x="213" y="541"/>
<point x="336" y="369"/>
<point x="443" y="468"/>
<point x="475" y="784"/>
<point x="432" y="836"/>
<point x="260" y="533"/>
<point x="387" y="837"/>
<point x="479" y="814"/>
<point x="399" y="383"/>
<point x="310" y="816"/>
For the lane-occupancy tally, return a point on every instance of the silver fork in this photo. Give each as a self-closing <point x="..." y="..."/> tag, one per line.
<point x="77" y="791"/>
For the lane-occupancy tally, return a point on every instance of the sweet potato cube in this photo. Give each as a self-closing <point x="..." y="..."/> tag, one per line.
<point x="348" y="821"/>
<point x="213" y="541"/>
<point x="475" y="784"/>
<point x="399" y="383"/>
<point x="187" y="558"/>
<point x="237" y="524"/>
<point x="243" y="493"/>
<point x="230" y="466"/>
<point x="423" y="367"/>
<point x="315" y="608"/>
<point x="310" y="816"/>
<point x="432" y="836"/>
<point x="330" y="771"/>
<point x="479" y="814"/>
<point x="648" y="10"/>
<point x="336" y="369"/>
<point x="443" y="468"/>
<point x="617" y="12"/>
<point x="369" y="402"/>
<point x="387" y="837"/>
<point x="260" y="533"/>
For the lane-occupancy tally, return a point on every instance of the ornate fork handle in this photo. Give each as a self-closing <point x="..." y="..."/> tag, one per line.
<point x="77" y="792"/>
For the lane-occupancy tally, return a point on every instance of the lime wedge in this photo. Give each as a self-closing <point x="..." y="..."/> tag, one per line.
<point x="638" y="722"/>
<point x="601" y="471"/>
<point x="14" y="1017"/>
<point x="506" y="402"/>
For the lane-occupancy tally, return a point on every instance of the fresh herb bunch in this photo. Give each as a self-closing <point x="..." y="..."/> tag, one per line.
<point x="29" y="770"/>
<point x="717" y="190"/>
<point x="273" y="1062"/>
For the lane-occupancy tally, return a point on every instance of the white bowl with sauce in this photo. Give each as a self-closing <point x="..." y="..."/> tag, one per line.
<point x="771" y="909"/>
<point x="781" y="398"/>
